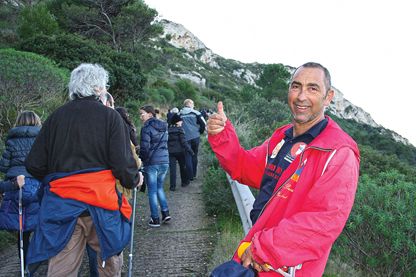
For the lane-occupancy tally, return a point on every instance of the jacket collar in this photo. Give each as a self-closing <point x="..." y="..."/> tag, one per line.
<point x="332" y="137"/>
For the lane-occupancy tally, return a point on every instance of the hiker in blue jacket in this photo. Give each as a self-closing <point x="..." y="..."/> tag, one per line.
<point x="155" y="157"/>
<point x="194" y="126"/>
<point x="18" y="144"/>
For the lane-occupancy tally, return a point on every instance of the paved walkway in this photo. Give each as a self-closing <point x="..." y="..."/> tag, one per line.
<point x="181" y="247"/>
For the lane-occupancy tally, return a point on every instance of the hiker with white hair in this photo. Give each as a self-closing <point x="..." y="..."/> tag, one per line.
<point x="81" y="150"/>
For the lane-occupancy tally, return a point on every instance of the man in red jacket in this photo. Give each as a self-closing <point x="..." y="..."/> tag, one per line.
<point x="307" y="173"/>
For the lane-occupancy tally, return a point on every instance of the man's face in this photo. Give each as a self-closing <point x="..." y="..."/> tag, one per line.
<point x="308" y="96"/>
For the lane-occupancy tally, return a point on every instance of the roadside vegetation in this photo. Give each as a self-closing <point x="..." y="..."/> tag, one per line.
<point x="42" y="41"/>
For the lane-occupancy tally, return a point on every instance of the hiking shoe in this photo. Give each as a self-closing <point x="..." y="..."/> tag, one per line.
<point x="172" y="189"/>
<point x="165" y="216"/>
<point x="185" y="184"/>
<point x="154" y="222"/>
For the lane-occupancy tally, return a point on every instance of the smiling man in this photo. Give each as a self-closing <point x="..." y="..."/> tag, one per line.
<point x="307" y="174"/>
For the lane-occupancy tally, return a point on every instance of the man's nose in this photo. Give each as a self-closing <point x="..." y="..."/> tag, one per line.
<point x="302" y="93"/>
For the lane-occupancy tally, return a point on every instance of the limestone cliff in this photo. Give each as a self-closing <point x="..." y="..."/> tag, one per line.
<point x="178" y="36"/>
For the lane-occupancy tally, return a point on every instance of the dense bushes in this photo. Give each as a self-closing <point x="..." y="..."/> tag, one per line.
<point x="380" y="236"/>
<point x="28" y="81"/>
<point x="274" y="81"/>
<point x="185" y="89"/>
<point x="217" y="193"/>
<point x="126" y="77"/>
<point x="378" y="139"/>
<point x="373" y="162"/>
<point x="36" y="20"/>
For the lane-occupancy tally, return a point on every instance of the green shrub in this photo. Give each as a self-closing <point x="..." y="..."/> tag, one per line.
<point x="29" y="81"/>
<point x="217" y="193"/>
<point x="380" y="234"/>
<point x="260" y="118"/>
<point x="126" y="77"/>
<point x="185" y="89"/>
<point x="274" y="81"/>
<point x="153" y="95"/>
<point x="167" y="94"/>
<point x="212" y="94"/>
<point x="378" y="139"/>
<point x="9" y="14"/>
<point x="36" y="20"/>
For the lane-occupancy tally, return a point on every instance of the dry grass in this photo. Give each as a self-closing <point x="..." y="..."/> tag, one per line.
<point x="228" y="238"/>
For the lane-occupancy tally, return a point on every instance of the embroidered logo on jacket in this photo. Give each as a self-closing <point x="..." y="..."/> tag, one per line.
<point x="289" y="187"/>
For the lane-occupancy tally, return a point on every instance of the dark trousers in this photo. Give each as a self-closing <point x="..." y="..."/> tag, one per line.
<point x="180" y="157"/>
<point x="92" y="261"/>
<point x="192" y="160"/>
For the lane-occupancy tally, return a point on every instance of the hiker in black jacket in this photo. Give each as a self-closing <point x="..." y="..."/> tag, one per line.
<point x="177" y="146"/>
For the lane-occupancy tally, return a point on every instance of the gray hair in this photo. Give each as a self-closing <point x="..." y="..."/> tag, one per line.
<point x="85" y="79"/>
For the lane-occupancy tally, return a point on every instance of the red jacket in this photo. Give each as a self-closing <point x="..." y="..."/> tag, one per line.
<point x="311" y="202"/>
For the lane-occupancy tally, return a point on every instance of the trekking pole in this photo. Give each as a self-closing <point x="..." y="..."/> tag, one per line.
<point x="132" y="233"/>
<point x="22" y="260"/>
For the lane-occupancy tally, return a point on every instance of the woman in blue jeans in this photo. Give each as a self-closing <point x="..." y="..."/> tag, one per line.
<point x="155" y="157"/>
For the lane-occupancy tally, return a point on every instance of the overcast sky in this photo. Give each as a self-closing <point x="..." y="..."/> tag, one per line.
<point x="368" y="46"/>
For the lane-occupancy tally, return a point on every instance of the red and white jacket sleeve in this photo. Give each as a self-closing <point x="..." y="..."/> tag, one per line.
<point x="245" y="166"/>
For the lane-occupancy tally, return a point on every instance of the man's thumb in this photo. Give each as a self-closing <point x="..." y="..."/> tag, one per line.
<point x="220" y="108"/>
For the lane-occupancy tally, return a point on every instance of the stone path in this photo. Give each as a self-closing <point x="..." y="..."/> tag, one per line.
<point x="181" y="247"/>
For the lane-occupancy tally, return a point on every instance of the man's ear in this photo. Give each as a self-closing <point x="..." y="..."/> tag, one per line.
<point x="328" y="98"/>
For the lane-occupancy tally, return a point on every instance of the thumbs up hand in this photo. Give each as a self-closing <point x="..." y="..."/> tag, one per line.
<point x="216" y="122"/>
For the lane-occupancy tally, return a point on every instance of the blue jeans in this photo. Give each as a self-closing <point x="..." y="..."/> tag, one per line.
<point x="155" y="176"/>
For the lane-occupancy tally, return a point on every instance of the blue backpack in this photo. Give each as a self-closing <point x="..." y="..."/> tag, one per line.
<point x="232" y="269"/>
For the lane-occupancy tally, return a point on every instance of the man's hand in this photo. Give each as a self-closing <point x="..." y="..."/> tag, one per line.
<point x="247" y="260"/>
<point x="216" y="122"/>
<point x="20" y="180"/>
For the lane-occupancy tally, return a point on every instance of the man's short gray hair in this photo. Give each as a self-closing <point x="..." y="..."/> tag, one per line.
<point x="85" y="79"/>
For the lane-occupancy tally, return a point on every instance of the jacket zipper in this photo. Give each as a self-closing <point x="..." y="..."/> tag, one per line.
<point x="284" y="183"/>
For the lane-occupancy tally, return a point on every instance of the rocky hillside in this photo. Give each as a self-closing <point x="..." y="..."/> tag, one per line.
<point x="206" y="63"/>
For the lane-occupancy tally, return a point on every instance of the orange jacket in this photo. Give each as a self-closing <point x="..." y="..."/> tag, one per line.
<point x="93" y="188"/>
